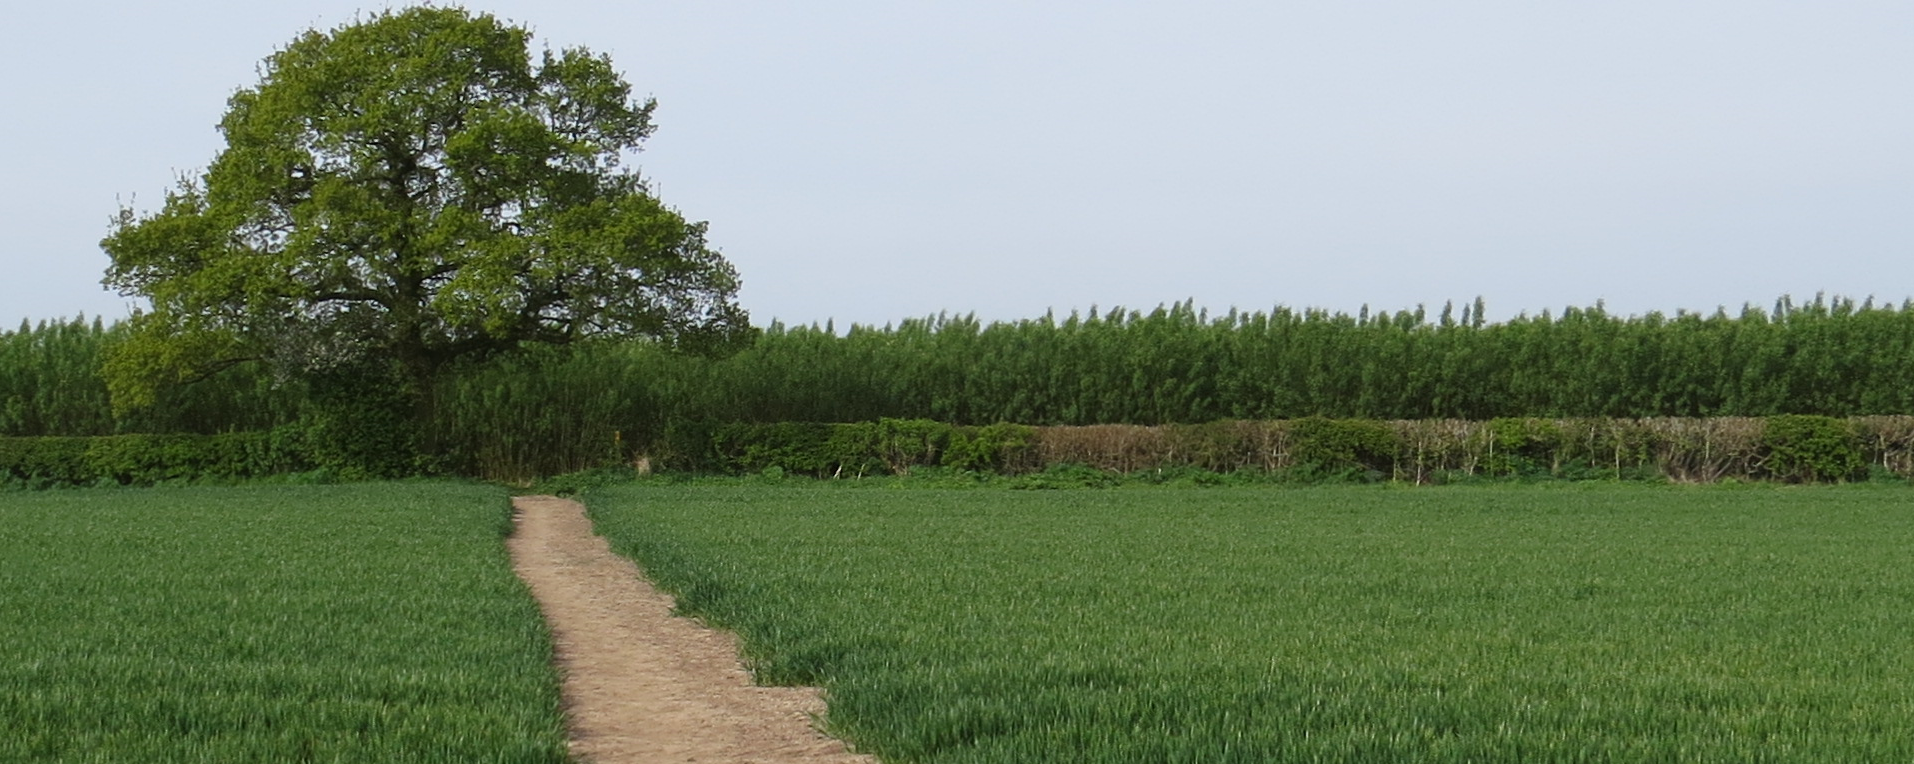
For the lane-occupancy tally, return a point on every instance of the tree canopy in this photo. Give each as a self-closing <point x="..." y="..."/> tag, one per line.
<point x="410" y="190"/>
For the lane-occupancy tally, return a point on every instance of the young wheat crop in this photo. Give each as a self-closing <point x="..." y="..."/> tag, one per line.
<point x="1577" y="624"/>
<point x="344" y="623"/>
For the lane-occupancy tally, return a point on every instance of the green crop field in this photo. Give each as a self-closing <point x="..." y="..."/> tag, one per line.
<point x="1549" y="624"/>
<point x="377" y="623"/>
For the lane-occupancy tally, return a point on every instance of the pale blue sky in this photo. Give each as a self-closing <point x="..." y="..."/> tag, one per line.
<point x="870" y="161"/>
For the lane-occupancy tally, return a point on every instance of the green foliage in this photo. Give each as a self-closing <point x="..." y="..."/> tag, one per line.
<point x="149" y="459"/>
<point x="1812" y="449"/>
<point x="338" y="623"/>
<point x="1178" y="365"/>
<point x="906" y="443"/>
<point x="801" y="447"/>
<point x="47" y="462"/>
<point x="1582" y="393"/>
<point x="856" y="450"/>
<point x="361" y="426"/>
<point x="1336" y="445"/>
<point x="414" y="190"/>
<point x="554" y="410"/>
<point x="1523" y="447"/>
<point x="1000" y="447"/>
<point x="1315" y="450"/>
<point x="689" y="446"/>
<point x="1337" y="625"/>
<point x="51" y="384"/>
<point x="847" y="450"/>
<point x="853" y="450"/>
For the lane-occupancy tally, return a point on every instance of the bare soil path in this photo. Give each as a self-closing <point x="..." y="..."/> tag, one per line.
<point x="642" y="685"/>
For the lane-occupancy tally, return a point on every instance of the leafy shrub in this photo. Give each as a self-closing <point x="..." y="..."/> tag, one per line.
<point x="1809" y="449"/>
<point x="991" y="448"/>
<point x="1522" y="447"/>
<point x="801" y="447"/>
<point x="1335" y="445"/>
<point x="851" y="450"/>
<point x="906" y="443"/>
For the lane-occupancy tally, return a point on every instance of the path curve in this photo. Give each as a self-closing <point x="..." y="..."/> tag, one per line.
<point x="642" y="685"/>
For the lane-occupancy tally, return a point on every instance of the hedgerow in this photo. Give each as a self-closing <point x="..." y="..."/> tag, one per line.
<point x="1580" y="392"/>
<point x="50" y="462"/>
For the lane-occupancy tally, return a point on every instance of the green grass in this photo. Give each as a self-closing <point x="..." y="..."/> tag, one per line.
<point x="374" y="623"/>
<point x="1502" y="624"/>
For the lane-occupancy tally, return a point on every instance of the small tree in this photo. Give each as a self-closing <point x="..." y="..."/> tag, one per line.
<point x="404" y="192"/>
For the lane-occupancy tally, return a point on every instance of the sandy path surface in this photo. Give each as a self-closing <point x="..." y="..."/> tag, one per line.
<point x="640" y="684"/>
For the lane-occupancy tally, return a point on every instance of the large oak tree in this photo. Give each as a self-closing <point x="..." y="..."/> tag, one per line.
<point x="407" y="191"/>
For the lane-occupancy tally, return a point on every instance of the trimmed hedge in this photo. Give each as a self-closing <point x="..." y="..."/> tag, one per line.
<point x="887" y="446"/>
<point x="1784" y="448"/>
<point x="1796" y="449"/>
<point x="149" y="459"/>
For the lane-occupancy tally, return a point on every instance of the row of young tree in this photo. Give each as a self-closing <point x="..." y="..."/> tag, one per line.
<point x="50" y="384"/>
<point x="1175" y="364"/>
<point x="1831" y="357"/>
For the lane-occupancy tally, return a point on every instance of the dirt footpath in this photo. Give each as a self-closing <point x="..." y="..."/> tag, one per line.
<point x="640" y="684"/>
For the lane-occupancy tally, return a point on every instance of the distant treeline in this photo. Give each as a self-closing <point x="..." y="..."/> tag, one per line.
<point x="1172" y="365"/>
